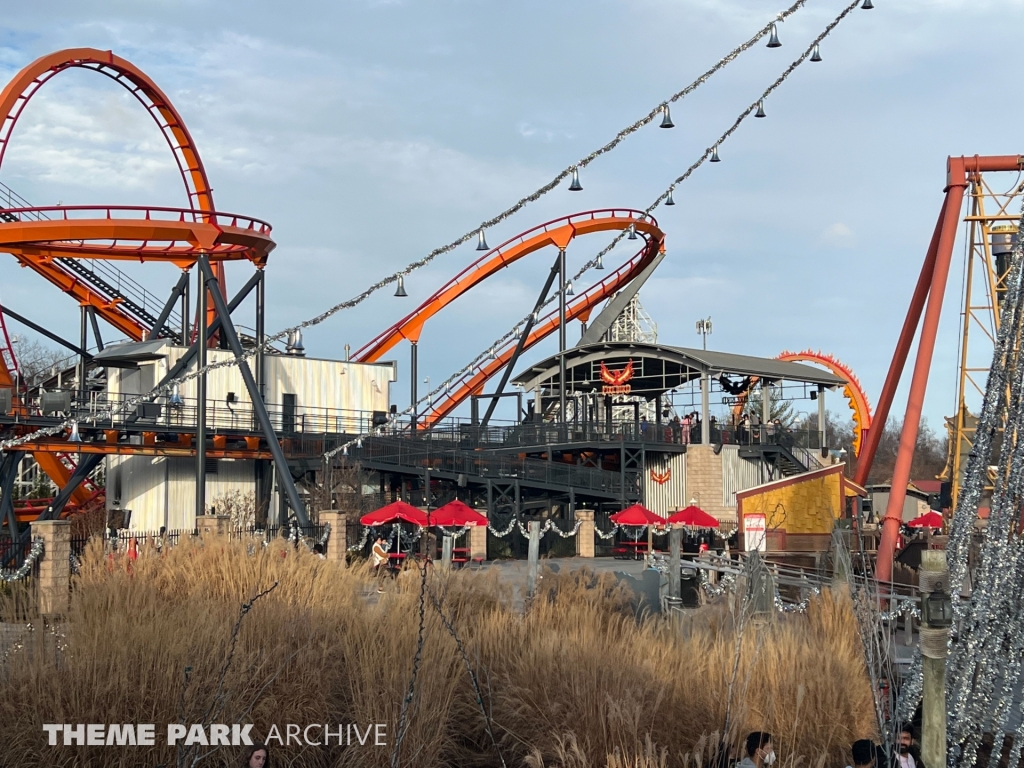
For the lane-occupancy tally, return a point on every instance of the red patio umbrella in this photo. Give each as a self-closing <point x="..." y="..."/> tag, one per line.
<point x="638" y="514"/>
<point x="928" y="520"/>
<point x="694" y="516"/>
<point x="456" y="514"/>
<point x="394" y="512"/>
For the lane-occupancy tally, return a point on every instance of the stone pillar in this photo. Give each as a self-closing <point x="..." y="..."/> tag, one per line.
<point x="585" y="535"/>
<point x="54" y="580"/>
<point x="337" y="542"/>
<point x="478" y="541"/>
<point x="213" y="525"/>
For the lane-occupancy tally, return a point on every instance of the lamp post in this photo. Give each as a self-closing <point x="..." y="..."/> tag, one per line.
<point x="936" y="620"/>
<point x="704" y="328"/>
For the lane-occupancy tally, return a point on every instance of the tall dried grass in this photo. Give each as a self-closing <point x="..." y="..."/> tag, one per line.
<point x="577" y="680"/>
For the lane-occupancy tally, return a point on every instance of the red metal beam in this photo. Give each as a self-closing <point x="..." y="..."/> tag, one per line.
<point x="922" y="365"/>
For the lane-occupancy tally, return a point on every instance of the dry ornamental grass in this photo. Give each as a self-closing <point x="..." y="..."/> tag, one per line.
<point x="577" y="680"/>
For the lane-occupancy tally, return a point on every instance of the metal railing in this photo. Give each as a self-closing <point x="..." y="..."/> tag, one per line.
<point x="422" y="454"/>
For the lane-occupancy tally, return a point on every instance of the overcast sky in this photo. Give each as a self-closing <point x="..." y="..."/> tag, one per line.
<point x="369" y="132"/>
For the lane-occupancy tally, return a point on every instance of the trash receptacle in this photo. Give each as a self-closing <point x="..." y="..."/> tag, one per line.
<point x="689" y="587"/>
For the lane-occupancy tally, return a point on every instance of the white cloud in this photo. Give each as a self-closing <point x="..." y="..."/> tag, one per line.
<point x="837" y="235"/>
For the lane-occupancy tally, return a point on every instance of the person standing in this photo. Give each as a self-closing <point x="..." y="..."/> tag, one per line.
<point x="380" y="559"/>
<point x="686" y="425"/>
<point x="909" y="755"/>
<point x="759" y="751"/>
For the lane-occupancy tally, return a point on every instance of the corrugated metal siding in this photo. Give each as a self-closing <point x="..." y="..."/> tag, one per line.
<point x="738" y="474"/>
<point x="666" y="497"/>
<point x="161" y="491"/>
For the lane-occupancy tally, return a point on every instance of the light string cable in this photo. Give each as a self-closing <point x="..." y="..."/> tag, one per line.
<point x="166" y="388"/>
<point x="477" y="363"/>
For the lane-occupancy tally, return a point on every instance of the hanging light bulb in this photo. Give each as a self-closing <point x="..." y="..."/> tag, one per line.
<point x="632" y="232"/>
<point x="175" y="400"/>
<point x="74" y="437"/>
<point x="867" y="5"/>
<point x="494" y="355"/>
<point x="359" y="442"/>
<point x="714" y="154"/>
<point x="666" y="118"/>
<point x="600" y="262"/>
<point x="481" y="243"/>
<point x="760" y="108"/>
<point x="773" y="42"/>
<point x="670" y="201"/>
<point x="344" y="450"/>
<point x="400" y="291"/>
<point x="575" y="186"/>
<point x="568" y="289"/>
<point x="815" y="54"/>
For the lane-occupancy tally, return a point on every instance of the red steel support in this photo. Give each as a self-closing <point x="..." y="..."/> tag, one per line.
<point x="926" y="346"/>
<point x="899" y="359"/>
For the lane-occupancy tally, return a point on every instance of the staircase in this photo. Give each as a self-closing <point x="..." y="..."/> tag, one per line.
<point x="110" y="283"/>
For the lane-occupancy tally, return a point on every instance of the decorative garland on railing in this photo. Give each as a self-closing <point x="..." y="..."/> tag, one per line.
<point x="361" y="544"/>
<point x="506" y="532"/>
<point x="26" y="568"/>
<point x="610" y="535"/>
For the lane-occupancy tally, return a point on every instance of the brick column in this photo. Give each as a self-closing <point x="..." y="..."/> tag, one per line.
<point x="585" y="535"/>
<point x="54" y="580"/>
<point x="213" y="525"/>
<point x="337" y="542"/>
<point x="478" y="540"/>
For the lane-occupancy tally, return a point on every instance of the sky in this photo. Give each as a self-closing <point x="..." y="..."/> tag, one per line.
<point x="369" y="132"/>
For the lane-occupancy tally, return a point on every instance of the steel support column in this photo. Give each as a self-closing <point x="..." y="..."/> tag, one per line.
<point x="202" y="332"/>
<point x="561" y="335"/>
<point x="83" y="357"/>
<point x="280" y="462"/>
<point x="899" y="359"/>
<point x="413" y="364"/>
<point x="919" y="382"/>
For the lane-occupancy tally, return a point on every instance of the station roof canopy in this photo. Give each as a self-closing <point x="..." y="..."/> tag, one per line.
<point x="656" y="368"/>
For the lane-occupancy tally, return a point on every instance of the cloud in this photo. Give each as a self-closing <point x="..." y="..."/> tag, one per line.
<point x="837" y="235"/>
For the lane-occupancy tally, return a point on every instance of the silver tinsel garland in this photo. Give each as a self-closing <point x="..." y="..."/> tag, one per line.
<point x="985" y="668"/>
<point x="26" y="568"/>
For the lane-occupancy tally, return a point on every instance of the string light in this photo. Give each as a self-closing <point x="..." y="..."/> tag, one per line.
<point x="399" y="276"/>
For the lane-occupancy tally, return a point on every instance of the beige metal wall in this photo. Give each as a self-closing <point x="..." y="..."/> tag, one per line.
<point x="161" y="491"/>
<point x="669" y="495"/>
<point x="738" y="474"/>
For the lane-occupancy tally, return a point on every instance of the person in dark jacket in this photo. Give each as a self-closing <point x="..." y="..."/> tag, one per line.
<point x="908" y="753"/>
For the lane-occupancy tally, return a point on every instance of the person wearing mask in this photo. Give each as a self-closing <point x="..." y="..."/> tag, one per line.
<point x="760" y="752"/>
<point x="909" y="755"/>
<point x="863" y="754"/>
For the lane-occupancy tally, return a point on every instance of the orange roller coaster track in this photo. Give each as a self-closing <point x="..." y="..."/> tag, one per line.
<point x="38" y="236"/>
<point x="558" y="233"/>
<point x="853" y="391"/>
<point x="44" y="239"/>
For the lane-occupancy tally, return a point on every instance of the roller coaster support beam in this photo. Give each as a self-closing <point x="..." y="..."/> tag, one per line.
<point x="48" y="334"/>
<point x="561" y="334"/>
<point x="95" y="327"/>
<point x="555" y="271"/>
<point x="83" y="358"/>
<point x="8" y="472"/>
<point x="932" y="283"/>
<point x="283" y="474"/>
<point x="161" y="321"/>
<point x="85" y="467"/>
<point x="203" y="334"/>
<point x="413" y="347"/>
<point x="185" y="360"/>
